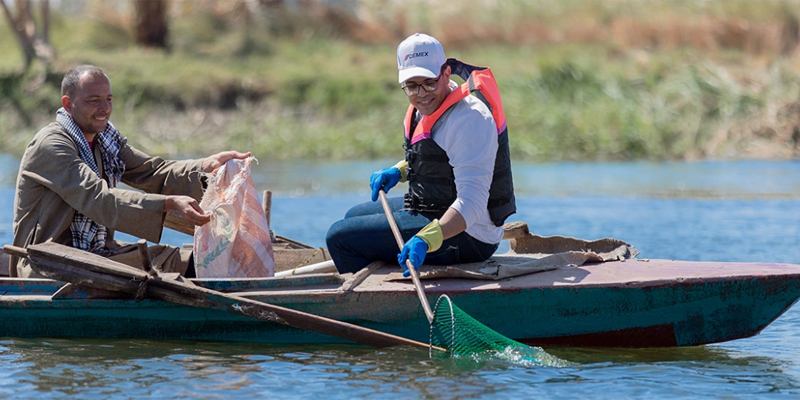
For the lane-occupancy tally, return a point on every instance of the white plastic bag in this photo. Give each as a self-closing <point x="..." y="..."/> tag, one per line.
<point x="236" y="242"/>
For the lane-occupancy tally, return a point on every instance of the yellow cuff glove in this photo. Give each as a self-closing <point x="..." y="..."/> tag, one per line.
<point x="402" y="166"/>
<point x="432" y="235"/>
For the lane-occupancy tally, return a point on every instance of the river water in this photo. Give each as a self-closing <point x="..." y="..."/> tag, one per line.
<point x="719" y="211"/>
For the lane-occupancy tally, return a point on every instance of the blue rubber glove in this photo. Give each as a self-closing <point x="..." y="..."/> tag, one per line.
<point x="384" y="179"/>
<point x="414" y="250"/>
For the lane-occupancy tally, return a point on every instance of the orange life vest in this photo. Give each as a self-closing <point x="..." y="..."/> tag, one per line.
<point x="430" y="175"/>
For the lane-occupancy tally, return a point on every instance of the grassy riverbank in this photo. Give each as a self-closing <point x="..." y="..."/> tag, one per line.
<point x="582" y="83"/>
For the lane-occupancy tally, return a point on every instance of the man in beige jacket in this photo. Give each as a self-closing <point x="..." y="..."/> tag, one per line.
<point x="67" y="183"/>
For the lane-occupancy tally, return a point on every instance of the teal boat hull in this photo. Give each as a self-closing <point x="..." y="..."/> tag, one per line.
<point x="633" y="303"/>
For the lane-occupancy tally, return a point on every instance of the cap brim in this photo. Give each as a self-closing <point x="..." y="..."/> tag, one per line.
<point x="414" y="72"/>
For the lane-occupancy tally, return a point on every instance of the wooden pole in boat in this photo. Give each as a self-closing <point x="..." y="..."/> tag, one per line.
<point x="15" y="251"/>
<point x="144" y="255"/>
<point x="414" y="276"/>
<point x="68" y="264"/>
<point x="268" y="206"/>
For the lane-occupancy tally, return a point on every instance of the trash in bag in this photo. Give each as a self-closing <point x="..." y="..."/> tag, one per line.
<point x="236" y="243"/>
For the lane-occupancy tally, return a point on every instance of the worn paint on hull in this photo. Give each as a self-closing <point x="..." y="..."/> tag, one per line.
<point x="634" y="303"/>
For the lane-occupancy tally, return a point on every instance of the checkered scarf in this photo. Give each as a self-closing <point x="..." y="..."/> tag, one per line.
<point x="87" y="234"/>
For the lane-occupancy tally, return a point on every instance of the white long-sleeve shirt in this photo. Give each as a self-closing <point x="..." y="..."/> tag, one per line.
<point x="467" y="132"/>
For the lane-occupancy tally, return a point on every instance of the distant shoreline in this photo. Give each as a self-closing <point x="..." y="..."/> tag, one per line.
<point x="586" y="81"/>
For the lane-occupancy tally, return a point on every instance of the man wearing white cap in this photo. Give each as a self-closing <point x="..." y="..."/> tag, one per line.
<point x="457" y="166"/>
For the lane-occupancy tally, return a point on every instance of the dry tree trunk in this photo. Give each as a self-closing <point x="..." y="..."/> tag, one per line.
<point x="32" y="45"/>
<point x="150" y="23"/>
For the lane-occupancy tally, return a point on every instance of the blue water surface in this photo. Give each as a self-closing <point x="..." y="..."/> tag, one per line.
<point x="712" y="210"/>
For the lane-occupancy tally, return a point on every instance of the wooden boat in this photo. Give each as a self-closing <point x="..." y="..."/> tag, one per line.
<point x="630" y="303"/>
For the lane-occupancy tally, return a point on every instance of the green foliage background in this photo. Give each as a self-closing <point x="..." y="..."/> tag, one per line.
<point x="296" y="85"/>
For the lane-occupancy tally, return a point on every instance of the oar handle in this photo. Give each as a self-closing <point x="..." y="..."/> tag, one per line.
<point x="15" y="251"/>
<point x="414" y="276"/>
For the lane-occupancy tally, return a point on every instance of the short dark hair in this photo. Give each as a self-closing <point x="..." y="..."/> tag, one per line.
<point x="73" y="77"/>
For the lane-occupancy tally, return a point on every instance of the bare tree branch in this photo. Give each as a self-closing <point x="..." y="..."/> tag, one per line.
<point x="45" y="4"/>
<point x="18" y="25"/>
<point x="25" y="30"/>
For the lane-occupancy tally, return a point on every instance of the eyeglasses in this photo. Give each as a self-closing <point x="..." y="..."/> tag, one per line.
<point x="429" y="86"/>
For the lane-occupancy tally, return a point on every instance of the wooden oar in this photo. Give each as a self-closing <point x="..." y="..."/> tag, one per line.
<point x="67" y="264"/>
<point x="412" y="271"/>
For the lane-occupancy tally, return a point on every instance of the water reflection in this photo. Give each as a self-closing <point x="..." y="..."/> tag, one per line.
<point x="699" y="354"/>
<point x="138" y="368"/>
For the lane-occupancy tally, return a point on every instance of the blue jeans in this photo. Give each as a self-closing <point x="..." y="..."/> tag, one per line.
<point x="364" y="236"/>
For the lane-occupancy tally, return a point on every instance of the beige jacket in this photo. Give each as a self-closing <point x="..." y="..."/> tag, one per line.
<point x="53" y="182"/>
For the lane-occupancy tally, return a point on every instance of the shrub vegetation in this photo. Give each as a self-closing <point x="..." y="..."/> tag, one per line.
<point x="581" y="80"/>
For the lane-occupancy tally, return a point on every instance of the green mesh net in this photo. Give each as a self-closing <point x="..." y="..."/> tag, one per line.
<point x="460" y="335"/>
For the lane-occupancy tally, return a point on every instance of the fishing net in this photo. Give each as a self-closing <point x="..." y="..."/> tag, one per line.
<point x="463" y="336"/>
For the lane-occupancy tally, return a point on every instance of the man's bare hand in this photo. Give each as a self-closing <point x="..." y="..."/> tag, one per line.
<point x="188" y="208"/>
<point x="217" y="160"/>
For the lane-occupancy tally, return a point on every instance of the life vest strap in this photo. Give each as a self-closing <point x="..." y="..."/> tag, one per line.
<point x="437" y="181"/>
<point x="432" y="157"/>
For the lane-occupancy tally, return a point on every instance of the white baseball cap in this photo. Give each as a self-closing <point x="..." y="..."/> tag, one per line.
<point x="420" y="55"/>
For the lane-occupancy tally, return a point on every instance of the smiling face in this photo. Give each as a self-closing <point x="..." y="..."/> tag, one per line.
<point x="428" y="102"/>
<point x="90" y="104"/>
